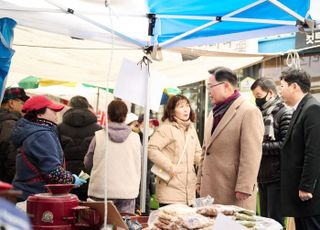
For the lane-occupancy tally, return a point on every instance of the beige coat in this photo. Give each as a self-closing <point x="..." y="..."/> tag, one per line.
<point x="165" y="148"/>
<point x="232" y="154"/>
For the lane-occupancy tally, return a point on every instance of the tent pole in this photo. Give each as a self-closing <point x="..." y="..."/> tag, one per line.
<point x="185" y="34"/>
<point x="98" y="97"/>
<point x="71" y="11"/>
<point x="232" y="19"/>
<point x="143" y="183"/>
<point x="257" y="20"/>
<point x="287" y="9"/>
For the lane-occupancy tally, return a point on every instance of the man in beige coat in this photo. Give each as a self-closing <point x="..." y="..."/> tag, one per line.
<point x="232" y="147"/>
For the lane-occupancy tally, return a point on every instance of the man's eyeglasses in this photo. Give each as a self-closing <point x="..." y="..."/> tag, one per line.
<point x="211" y="86"/>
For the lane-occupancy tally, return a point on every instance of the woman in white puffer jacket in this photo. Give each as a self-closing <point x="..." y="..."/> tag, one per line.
<point x="123" y="161"/>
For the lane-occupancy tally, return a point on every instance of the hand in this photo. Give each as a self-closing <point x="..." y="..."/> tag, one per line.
<point x="174" y="172"/>
<point x="242" y="196"/>
<point x="78" y="181"/>
<point x="198" y="188"/>
<point x="304" y="196"/>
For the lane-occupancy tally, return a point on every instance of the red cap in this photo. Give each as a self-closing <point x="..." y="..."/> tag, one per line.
<point x="40" y="102"/>
<point x="5" y="186"/>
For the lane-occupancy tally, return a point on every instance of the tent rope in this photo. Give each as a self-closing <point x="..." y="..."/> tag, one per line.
<point x="293" y="59"/>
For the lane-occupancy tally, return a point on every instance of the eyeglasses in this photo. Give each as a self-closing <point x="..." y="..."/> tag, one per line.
<point x="211" y="86"/>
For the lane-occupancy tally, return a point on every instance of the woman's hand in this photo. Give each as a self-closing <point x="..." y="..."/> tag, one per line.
<point x="198" y="188"/>
<point x="242" y="196"/>
<point x="173" y="172"/>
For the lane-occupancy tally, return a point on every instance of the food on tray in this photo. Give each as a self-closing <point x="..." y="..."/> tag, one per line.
<point x="163" y="226"/>
<point x="182" y="217"/>
<point x="241" y="216"/>
<point x="210" y="211"/>
<point x="196" y="221"/>
<point x="164" y="221"/>
<point x="248" y="224"/>
<point x="228" y="210"/>
<point x="154" y="228"/>
<point x="165" y="215"/>
<point x="177" y="209"/>
<point x="247" y="212"/>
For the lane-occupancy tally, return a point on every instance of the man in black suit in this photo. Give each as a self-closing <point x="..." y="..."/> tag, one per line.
<point x="300" y="159"/>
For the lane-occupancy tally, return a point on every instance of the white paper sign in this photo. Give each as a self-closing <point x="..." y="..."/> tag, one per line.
<point x="224" y="222"/>
<point x="131" y="85"/>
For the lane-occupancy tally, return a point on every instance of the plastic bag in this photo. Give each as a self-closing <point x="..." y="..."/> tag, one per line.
<point x="132" y="224"/>
<point x="203" y="201"/>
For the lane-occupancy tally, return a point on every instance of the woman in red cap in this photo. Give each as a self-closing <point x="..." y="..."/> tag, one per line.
<point x="40" y="157"/>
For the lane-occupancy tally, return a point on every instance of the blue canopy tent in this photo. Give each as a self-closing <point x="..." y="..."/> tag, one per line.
<point x="6" y="53"/>
<point x="149" y="23"/>
<point x="188" y="23"/>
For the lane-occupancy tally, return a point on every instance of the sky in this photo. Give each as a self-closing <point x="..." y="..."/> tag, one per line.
<point x="315" y="9"/>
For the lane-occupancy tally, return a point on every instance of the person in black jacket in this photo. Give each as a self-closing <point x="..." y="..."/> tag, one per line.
<point x="10" y="113"/>
<point x="76" y="132"/>
<point x="300" y="158"/>
<point x="276" y="118"/>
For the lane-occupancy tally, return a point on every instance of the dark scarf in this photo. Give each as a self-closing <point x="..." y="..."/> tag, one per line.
<point x="267" y="110"/>
<point x="45" y="122"/>
<point x="220" y="109"/>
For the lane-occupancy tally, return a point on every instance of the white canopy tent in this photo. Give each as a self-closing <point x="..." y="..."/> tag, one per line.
<point x="58" y="57"/>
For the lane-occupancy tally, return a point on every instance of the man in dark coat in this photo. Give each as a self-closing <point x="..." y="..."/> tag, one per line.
<point x="10" y="113"/>
<point x="300" y="158"/>
<point x="76" y="132"/>
<point x="276" y="117"/>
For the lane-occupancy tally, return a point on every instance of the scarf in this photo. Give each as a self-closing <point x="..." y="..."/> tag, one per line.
<point x="44" y="122"/>
<point x="220" y="109"/>
<point x="267" y="109"/>
<point x="183" y="124"/>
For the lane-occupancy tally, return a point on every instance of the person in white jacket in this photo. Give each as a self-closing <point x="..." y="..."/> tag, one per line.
<point x="122" y="161"/>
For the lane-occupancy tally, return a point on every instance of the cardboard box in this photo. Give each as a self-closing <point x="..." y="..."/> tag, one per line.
<point x="114" y="217"/>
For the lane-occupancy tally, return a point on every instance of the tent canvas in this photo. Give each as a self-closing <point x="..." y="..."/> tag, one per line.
<point x="6" y="52"/>
<point x="125" y="23"/>
<point x="59" y="57"/>
<point x="180" y="23"/>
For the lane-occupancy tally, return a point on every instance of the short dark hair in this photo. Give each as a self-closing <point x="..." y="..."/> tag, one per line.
<point x="33" y="114"/>
<point x="171" y="105"/>
<point x="265" y="84"/>
<point x="224" y="74"/>
<point x="301" y="77"/>
<point x="117" y="111"/>
<point x="79" y="102"/>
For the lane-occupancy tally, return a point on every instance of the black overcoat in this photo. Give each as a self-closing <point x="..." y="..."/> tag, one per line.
<point x="300" y="160"/>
